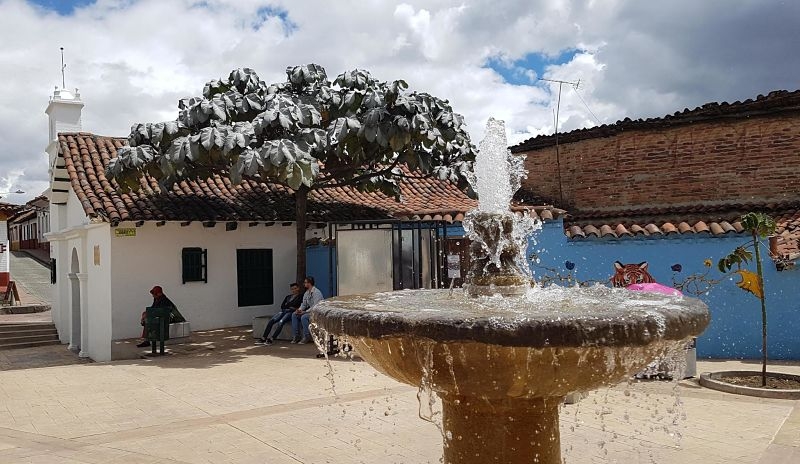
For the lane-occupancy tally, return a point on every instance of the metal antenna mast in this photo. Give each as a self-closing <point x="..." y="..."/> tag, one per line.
<point x="558" y="109"/>
<point x="63" y="66"/>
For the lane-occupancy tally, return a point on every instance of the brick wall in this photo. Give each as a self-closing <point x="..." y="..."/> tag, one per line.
<point x="717" y="162"/>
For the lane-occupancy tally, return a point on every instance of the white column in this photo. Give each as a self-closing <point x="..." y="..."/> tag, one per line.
<point x="73" y="318"/>
<point x="83" y="278"/>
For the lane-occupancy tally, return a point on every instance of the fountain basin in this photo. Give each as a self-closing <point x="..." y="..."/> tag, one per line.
<point x="503" y="365"/>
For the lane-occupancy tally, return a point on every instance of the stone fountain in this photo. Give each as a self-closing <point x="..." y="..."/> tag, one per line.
<point x="502" y="354"/>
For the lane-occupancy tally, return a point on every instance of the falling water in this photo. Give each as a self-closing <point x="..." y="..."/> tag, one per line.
<point x="498" y="175"/>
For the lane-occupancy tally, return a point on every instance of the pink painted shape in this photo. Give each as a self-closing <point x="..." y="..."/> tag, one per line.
<point x="654" y="287"/>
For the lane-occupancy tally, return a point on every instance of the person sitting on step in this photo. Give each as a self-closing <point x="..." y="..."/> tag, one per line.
<point x="290" y="304"/>
<point x="302" y="317"/>
<point x="159" y="301"/>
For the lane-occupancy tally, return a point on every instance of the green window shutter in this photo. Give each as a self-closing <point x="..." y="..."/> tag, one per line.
<point x="194" y="265"/>
<point x="254" y="276"/>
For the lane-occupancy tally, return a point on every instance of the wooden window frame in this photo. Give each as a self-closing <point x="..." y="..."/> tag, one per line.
<point x="191" y="269"/>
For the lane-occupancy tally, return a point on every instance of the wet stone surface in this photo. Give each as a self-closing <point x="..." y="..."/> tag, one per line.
<point x="568" y="317"/>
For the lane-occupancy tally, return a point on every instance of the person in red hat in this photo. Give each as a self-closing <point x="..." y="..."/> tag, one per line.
<point x="159" y="301"/>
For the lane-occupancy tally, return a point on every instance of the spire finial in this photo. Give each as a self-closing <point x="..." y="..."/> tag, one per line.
<point x="63" y="66"/>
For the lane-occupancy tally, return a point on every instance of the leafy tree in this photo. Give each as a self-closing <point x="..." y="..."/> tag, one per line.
<point x="306" y="134"/>
<point x="759" y="225"/>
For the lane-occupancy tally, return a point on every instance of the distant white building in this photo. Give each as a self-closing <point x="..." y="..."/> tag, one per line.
<point x="6" y="210"/>
<point x="222" y="253"/>
<point x="27" y="228"/>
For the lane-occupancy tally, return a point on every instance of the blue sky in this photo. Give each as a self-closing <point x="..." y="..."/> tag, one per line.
<point x="63" y="7"/>
<point x="530" y="67"/>
<point x="134" y="59"/>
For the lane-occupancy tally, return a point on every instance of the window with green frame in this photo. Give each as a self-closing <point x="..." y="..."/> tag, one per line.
<point x="194" y="264"/>
<point x="254" y="276"/>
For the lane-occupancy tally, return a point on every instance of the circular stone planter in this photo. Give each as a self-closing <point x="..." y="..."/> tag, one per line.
<point x="716" y="381"/>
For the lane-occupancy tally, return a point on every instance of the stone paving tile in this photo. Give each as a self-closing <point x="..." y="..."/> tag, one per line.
<point x="247" y="404"/>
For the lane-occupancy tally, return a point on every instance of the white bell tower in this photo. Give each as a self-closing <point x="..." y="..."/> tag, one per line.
<point x="64" y="112"/>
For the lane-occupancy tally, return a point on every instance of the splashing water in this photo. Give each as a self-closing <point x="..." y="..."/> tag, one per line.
<point x="498" y="173"/>
<point x="499" y="233"/>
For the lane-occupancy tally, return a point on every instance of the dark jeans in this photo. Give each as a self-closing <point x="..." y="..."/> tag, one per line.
<point x="281" y="318"/>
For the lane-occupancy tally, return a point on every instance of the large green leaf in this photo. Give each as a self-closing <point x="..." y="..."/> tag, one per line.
<point x="283" y="131"/>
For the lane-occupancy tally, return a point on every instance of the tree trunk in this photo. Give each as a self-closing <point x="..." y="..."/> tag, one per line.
<point x="760" y="272"/>
<point x="301" y="204"/>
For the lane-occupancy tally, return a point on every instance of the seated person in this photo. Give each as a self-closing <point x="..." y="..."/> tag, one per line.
<point x="302" y="317"/>
<point x="290" y="304"/>
<point x="159" y="301"/>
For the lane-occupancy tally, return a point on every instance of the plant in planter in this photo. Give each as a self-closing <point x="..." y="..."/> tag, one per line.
<point x="759" y="225"/>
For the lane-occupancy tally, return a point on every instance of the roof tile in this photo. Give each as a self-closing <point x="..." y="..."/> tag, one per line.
<point x="86" y="157"/>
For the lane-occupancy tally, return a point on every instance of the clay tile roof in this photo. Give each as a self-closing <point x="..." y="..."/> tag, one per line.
<point x="87" y="155"/>
<point x="668" y="228"/>
<point x="653" y="229"/>
<point x="701" y="227"/>
<point x="575" y="231"/>
<point x="716" y="229"/>
<point x="7" y="209"/>
<point x="727" y="227"/>
<point x="591" y="230"/>
<point x="776" y="102"/>
<point x="684" y="227"/>
<point x="22" y="216"/>
<point x="712" y="221"/>
<point x="788" y="234"/>
<point x="620" y="230"/>
<point x="606" y="230"/>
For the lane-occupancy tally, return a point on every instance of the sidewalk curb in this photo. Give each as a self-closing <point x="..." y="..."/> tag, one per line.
<point x="36" y="258"/>
<point x="25" y="309"/>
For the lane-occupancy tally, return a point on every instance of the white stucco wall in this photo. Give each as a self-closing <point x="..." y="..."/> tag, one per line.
<point x="74" y="211"/>
<point x="58" y="250"/>
<point x="98" y="283"/>
<point x="153" y="257"/>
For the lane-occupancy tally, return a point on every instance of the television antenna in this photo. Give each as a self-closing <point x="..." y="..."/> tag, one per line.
<point x="575" y="85"/>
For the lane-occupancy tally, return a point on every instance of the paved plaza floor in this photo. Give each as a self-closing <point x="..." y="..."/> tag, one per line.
<point x="225" y="400"/>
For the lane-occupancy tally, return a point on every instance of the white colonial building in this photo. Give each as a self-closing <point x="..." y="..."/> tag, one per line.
<point x="223" y="253"/>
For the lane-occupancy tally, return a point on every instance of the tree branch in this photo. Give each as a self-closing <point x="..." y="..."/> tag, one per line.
<point x="355" y="180"/>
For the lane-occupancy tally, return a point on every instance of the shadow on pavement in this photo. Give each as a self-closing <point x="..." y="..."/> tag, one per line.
<point x="209" y="348"/>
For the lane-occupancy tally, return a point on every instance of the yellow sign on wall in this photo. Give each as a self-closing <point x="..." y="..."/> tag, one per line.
<point x="125" y="232"/>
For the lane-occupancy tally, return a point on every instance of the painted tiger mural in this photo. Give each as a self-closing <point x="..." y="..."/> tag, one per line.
<point x="627" y="274"/>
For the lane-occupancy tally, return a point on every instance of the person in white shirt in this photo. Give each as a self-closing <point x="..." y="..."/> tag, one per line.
<point x="302" y="317"/>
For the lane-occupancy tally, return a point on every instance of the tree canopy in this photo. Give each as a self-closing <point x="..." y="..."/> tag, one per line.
<point x="305" y="133"/>
<point x="355" y="131"/>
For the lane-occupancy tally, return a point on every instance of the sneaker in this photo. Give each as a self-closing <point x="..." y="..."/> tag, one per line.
<point x="295" y="340"/>
<point x="268" y="341"/>
<point x="304" y="341"/>
<point x="144" y="344"/>
<point x="261" y="341"/>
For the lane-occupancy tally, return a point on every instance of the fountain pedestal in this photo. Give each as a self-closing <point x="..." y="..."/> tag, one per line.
<point x="507" y="430"/>
<point x="501" y="366"/>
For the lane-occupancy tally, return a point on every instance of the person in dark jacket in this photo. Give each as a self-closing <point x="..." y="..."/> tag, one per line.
<point x="290" y="304"/>
<point x="159" y="301"/>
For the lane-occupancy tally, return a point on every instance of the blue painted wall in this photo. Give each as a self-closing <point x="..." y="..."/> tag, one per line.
<point x="735" y="329"/>
<point x="317" y="265"/>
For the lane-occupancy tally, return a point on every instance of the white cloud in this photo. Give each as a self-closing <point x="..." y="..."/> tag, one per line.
<point x="134" y="59"/>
